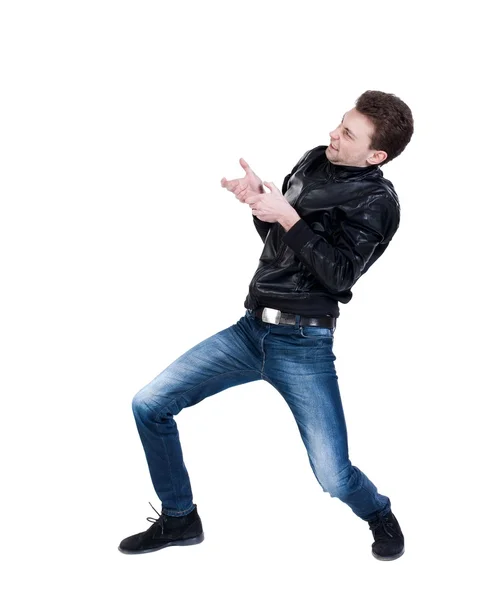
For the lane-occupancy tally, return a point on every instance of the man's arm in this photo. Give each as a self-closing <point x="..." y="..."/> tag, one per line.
<point x="262" y="226"/>
<point x="338" y="266"/>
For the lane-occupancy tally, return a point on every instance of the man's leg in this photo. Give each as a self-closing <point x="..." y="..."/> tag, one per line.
<point x="228" y="358"/>
<point x="300" y="365"/>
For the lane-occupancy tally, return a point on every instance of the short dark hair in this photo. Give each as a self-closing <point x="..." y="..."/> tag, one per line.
<point x="392" y="120"/>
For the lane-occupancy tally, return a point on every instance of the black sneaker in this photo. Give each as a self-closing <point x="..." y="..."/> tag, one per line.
<point x="389" y="541"/>
<point x="165" y="531"/>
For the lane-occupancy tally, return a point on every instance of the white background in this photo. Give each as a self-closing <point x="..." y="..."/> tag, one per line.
<point x="120" y="251"/>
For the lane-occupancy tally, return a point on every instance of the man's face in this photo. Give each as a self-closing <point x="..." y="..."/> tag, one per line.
<point x="351" y="140"/>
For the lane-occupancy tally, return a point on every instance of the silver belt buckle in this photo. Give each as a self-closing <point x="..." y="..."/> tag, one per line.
<point x="271" y="315"/>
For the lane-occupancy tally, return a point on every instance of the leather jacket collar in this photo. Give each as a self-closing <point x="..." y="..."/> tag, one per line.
<point x="350" y="173"/>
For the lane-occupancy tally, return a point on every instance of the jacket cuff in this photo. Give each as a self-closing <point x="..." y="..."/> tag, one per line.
<point x="298" y="236"/>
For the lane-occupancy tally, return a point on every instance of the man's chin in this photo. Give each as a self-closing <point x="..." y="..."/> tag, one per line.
<point x="330" y="155"/>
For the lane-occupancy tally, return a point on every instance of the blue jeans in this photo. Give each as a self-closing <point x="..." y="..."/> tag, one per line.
<point x="299" y="362"/>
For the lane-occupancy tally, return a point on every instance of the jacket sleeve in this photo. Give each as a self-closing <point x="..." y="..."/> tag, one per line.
<point x="263" y="226"/>
<point x="339" y="265"/>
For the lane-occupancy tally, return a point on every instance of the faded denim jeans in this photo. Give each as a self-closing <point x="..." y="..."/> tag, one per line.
<point x="299" y="362"/>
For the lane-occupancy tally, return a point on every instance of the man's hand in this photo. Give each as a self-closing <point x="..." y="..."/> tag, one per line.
<point x="246" y="187"/>
<point x="273" y="207"/>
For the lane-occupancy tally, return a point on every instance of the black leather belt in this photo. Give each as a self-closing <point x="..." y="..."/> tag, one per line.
<point x="273" y="315"/>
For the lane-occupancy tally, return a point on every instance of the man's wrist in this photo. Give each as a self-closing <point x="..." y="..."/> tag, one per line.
<point x="289" y="219"/>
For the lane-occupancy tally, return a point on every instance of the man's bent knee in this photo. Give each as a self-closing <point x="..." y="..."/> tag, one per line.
<point x="155" y="407"/>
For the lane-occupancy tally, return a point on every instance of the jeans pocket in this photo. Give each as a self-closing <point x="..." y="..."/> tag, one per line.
<point x="312" y="332"/>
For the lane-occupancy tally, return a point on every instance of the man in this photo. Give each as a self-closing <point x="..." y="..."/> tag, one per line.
<point x="334" y="217"/>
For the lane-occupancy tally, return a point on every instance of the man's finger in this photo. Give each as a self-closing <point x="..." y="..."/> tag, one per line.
<point x="225" y="183"/>
<point x="253" y="199"/>
<point x="272" y="186"/>
<point x="245" y="165"/>
<point x="240" y="192"/>
<point x="229" y="185"/>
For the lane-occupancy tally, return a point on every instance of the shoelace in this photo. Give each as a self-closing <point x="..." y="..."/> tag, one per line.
<point x="387" y="527"/>
<point x="159" y="521"/>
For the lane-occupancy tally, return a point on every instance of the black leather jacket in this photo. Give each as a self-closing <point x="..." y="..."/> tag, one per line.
<point x="348" y="217"/>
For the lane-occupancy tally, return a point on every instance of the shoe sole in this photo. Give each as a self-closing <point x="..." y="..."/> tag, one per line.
<point x="188" y="542"/>
<point x="395" y="556"/>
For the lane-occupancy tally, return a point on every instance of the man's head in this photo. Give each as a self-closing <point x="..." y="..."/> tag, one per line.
<point x="374" y="132"/>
